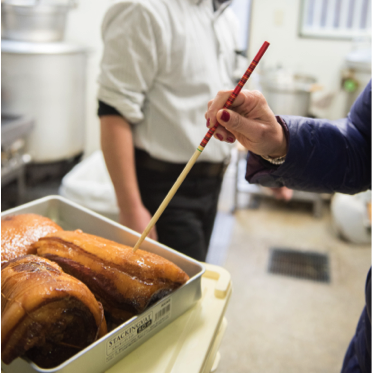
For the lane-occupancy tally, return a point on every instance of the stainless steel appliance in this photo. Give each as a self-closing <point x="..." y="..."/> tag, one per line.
<point x="14" y="130"/>
<point x="287" y="93"/>
<point x="46" y="81"/>
<point x="35" y="20"/>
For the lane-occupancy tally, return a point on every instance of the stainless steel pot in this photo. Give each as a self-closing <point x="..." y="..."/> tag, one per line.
<point x="47" y="82"/>
<point x="37" y="22"/>
<point x="287" y="93"/>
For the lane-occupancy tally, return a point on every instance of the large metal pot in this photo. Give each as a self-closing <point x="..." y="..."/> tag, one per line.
<point x="35" y="22"/>
<point x="46" y="81"/>
<point x="287" y="93"/>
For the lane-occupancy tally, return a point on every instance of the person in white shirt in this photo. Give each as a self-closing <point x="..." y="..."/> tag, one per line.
<point x="163" y="60"/>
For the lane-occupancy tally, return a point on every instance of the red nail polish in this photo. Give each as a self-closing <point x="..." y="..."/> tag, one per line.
<point x="225" y="116"/>
<point x="208" y="123"/>
<point x="219" y="136"/>
<point x="230" y="139"/>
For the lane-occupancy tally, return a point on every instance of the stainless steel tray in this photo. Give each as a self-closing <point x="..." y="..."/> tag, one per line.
<point x="118" y="343"/>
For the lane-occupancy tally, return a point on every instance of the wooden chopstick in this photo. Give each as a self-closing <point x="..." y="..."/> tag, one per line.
<point x="201" y="147"/>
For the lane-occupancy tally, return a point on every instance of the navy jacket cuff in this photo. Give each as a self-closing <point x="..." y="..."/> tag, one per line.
<point x="257" y="166"/>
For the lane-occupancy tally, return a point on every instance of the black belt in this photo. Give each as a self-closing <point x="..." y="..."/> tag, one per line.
<point x="208" y="169"/>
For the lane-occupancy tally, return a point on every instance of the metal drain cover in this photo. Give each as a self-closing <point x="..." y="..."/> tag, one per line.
<point x="301" y="264"/>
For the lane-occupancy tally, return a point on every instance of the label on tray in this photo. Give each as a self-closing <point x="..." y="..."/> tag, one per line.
<point x="139" y="328"/>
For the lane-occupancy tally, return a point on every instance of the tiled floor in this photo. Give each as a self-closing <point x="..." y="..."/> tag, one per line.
<point x="281" y="324"/>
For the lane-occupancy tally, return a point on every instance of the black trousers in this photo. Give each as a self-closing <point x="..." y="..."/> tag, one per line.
<point x="187" y="222"/>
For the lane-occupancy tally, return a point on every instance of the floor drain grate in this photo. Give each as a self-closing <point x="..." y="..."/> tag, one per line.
<point x="301" y="264"/>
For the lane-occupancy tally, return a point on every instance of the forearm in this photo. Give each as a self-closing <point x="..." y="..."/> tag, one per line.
<point x="321" y="153"/>
<point x="118" y="150"/>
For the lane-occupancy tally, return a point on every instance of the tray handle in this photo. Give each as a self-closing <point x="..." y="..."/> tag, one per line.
<point x="223" y="278"/>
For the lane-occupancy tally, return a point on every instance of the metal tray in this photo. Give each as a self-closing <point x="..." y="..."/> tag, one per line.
<point x="108" y="350"/>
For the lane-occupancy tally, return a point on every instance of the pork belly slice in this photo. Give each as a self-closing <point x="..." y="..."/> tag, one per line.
<point x="19" y="232"/>
<point x="46" y="314"/>
<point x="124" y="282"/>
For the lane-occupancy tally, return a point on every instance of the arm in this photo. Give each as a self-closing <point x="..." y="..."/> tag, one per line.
<point x="118" y="151"/>
<point x="128" y="67"/>
<point x="321" y="155"/>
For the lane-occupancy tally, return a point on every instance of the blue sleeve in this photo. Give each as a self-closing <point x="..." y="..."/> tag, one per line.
<point x="323" y="156"/>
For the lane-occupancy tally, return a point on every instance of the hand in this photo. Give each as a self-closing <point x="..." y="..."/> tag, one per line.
<point x="282" y="193"/>
<point x="138" y="221"/>
<point x="250" y="121"/>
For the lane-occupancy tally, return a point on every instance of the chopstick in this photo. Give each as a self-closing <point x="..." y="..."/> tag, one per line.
<point x="201" y="147"/>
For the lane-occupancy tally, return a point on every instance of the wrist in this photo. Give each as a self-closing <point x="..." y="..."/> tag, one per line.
<point x="275" y="160"/>
<point x="282" y="149"/>
<point x="130" y="206"/>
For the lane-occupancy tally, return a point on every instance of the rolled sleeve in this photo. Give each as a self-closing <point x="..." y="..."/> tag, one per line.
<point x="130" y="59"/>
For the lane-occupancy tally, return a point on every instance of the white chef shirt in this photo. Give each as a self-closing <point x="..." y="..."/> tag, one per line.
<point x="163" y="61"/>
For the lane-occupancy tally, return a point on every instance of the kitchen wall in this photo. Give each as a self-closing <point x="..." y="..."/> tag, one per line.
<point x="278" y="22"/>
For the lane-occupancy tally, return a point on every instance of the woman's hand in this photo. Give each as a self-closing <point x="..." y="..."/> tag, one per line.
<point x="250" y="121"/>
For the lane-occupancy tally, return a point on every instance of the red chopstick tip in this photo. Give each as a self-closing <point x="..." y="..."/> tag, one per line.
<point x="262" y="50"/>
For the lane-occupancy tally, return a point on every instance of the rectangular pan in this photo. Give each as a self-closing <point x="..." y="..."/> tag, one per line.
<point x="114" y="346"/>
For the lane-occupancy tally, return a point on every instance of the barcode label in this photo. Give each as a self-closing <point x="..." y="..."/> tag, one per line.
<point x="139" y="329"/>
<point x="162" y="312"/>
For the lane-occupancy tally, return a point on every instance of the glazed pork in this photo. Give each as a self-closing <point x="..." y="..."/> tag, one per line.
<point x="124" y="282"/>
<point x="46" y="314"/>
<point x="18" y="232"/>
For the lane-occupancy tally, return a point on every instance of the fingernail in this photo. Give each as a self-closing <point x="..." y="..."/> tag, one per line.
<point x="225" y="116"/>
<point x="208" y="123"/>
<point x="230" y="139"/>
<point x="219" y="136"/>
